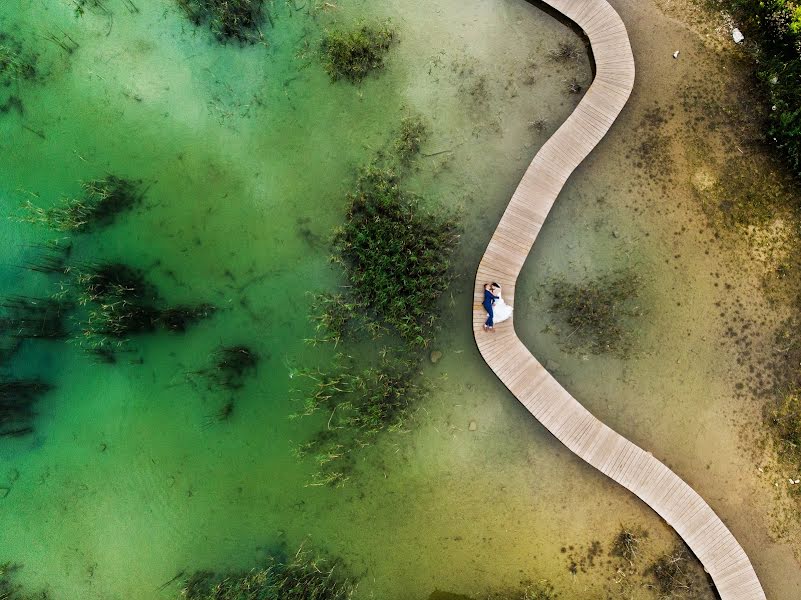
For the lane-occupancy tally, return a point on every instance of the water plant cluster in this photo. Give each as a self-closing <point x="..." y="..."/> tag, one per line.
<point x="302" y="577"/>
<point x="101" y="306"/>
<point x="11" y="591"/>
<point x="17" y="66"/>
<point x="775" y="25"/>
<point x="228" y="20"/>
<point x="597" y="312"/>
<point x="352" y="54"/>
<point x="394" y="253"/>
<point x="98" y="205"/>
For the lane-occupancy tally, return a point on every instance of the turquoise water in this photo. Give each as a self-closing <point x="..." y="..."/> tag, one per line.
<point x="247" y="155"/>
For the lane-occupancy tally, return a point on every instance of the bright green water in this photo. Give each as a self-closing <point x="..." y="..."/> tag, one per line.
<point x="248" y="154"/>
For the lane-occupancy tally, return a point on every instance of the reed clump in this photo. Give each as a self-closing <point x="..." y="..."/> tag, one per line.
<point x="413" y="132"/>
<point x="302" y="577"/>
<point x="627" y="544"/>
<point x="33" y="318"/>
<point x="396" y="257"/>
<point x="101" y="201"/>
<point x="528" y="590"/>
<point x="353" y="54"/>
<point x="784" y="418"/>
<point x="16" y="64"/>
<point x="228" y="20"/>
<point x="17" y="400"/>
<point x="597" y="312"/>
<point x="119" y="303"/>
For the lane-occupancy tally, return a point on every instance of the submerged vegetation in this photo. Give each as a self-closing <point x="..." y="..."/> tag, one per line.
<point x="597" y="312"/>
<point x="395" y="256"/>
<point x="230" y="366"/>
<point x="360" y="402"/>
<point x="676" y="575"/>
<point x="353" y="54"/>
<point x="17" y="66"/>
<point x="120" y="303"/>
<point x="100" y="203"/>
<point x="228" y="20"/>
<point x="302" y="577"/>
<point x="10" y="591"/>
<point x="17" y="400"/>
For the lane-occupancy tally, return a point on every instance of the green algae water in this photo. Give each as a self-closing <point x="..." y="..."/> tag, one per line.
<point x="131" y="481"/>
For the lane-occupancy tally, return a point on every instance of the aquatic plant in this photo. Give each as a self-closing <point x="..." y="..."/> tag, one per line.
<point x="565" y="52"/>
<point x="301" y="577"/>
<point x="231" y="365"/>
<point x="396" y="257"/>
<point x="413" y="132"/>
<point x="597" y="312"/>
<point x="15" y="64"/>
<point x="17" y="400"/>
<point x="27" y="318"/>
<point x="528" y="590"/>
<point x="100" y="203"/>
<point x="627" y="544"/>
<point x="353" y="54"/>
<point x="227" y="19"/>
<point x="119" y="303"/>
<point x="677" y="575"/>
<point x="360" y="402"/>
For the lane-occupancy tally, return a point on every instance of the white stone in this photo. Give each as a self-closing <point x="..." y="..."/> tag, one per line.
<point x="676" y="54"/>
<point x="737" y="35"/>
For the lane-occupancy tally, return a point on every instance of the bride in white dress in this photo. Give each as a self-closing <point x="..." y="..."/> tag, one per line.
<point x="500" y="310"/>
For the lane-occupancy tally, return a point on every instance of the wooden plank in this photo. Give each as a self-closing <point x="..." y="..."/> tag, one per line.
<point x="527" y="379"/>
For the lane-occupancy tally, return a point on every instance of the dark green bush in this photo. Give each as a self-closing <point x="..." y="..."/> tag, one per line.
<point x="353" y="54"/>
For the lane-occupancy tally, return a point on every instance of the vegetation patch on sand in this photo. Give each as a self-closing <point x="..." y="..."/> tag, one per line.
<point x="301" y="577"/>
<point x="353" y="53"/>
<point x="597" y="312"/>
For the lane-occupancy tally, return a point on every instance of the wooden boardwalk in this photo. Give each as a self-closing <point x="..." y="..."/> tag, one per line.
<point x="540" y="393"/>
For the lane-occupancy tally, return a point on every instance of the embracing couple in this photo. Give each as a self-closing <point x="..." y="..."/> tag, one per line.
<point x="497" y="309"/>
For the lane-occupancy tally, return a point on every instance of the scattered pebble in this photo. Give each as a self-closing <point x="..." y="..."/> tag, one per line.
<point x="472" y="426"/>
<point x="13" y="475"/>
<point x="4" y="491"/>
<point x="737" y="35"/>
<point x="435" y="356"/>
<point x="676" y="54"/>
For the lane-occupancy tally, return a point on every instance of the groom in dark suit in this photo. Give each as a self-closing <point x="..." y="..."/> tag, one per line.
<point x="489" y="300"/>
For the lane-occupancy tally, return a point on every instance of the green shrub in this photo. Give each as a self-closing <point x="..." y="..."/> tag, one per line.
<point x="353" y="54"/>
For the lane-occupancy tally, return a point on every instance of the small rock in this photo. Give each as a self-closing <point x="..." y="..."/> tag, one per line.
<point x="435" y="356"/>
<point x="676" y="54"/>
<point x="4" y="491"/>
<point x="737" y="35"/>
<point x="13" y="475"/>
<point x="616" y="234"/>
<point x="552" y="366"/>
<point x="472" y="426"/>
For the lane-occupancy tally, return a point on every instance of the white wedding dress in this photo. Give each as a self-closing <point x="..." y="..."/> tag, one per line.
<point x="500" y="310"/>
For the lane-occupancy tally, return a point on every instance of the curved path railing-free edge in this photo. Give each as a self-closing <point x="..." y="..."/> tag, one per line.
<point x="612" y="454"/>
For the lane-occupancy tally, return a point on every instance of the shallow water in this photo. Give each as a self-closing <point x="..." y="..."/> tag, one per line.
<point x="247" y="154"/>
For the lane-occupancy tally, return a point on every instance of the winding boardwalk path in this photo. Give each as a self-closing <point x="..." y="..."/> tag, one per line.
<point x="540" y="393"/>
